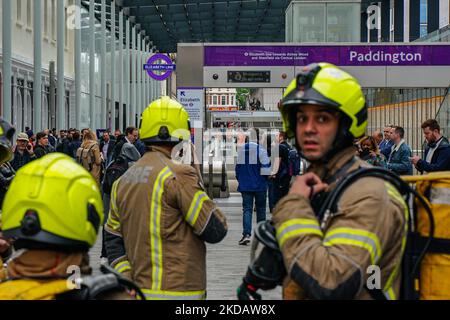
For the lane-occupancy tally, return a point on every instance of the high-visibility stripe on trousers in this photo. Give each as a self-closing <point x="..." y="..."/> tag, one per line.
<point x="173" y="295"/>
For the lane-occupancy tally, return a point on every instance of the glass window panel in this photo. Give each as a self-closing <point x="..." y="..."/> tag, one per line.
<point x="423" y="30"/>
<point x="289" y="24"/>
<point x="423" y="11"/>
<point x="343" y="20"/>
<point x="309" y="22"/>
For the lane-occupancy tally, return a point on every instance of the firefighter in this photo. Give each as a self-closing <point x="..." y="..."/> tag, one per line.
<point x="52" y="212"/>
<point x="160" y="216"/>
<point x="356" y="251"/>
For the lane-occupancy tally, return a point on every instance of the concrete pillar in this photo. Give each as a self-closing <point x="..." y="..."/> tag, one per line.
<point x="103" y="113"/>
<point x="52" y="103"/>
<point x="144" y="98"/>
<point x="92" y="122"/>
<point x="61" y="92"/>
<point x="127" y="73"/>
<point x="147" y="78"/>
<point x="113" y="66"/>
<point x="37" y="92"/>
<point x="121" y="78"/>
<point x="132" y="121"/>
<point x="6" y="59"/>
<point x="14" y="98"/>
<point x="138" y="75"/>
<point x="152" y="81"/>
<point x="78" y="64"/>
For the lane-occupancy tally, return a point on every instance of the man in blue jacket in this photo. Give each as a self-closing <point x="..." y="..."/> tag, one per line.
<point x="252" y="171"/>
<point x="400" y="153"/>
<point x="437" y="151"/>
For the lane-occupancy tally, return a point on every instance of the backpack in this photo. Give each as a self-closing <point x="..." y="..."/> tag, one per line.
<point x="117" y="149"/>
<point x="427" y="251"/>
<point x="113" y="172"/>
<point x="85" y="157"/>
<point x="293" y="162"/>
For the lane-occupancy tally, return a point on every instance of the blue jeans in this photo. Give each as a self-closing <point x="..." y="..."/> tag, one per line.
<point x="247" y="204"/>
<point x="270" y="191"/>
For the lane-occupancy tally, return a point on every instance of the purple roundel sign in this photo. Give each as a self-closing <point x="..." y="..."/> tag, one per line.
<point x="166" y="68"/>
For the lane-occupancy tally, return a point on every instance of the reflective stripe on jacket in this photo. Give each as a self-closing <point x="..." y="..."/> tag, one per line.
<point x="159" y="219"/>
<point x="334" y="259"/>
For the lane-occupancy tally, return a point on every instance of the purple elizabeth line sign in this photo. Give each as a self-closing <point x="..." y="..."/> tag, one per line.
<point x="370" y="55"/>
<point x="151" y="67"/>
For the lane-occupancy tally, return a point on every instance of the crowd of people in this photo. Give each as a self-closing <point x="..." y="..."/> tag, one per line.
<point x="262" y="174"/>
<point x="388" y="151"/>
<point x="157" y="215"/>
<point x="94" y="153"/>
<point x="391" y="151"/>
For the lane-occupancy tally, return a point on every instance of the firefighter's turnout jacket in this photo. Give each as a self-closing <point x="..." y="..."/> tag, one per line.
<point x="159" y="219"/>
<point x="334" y="258"/>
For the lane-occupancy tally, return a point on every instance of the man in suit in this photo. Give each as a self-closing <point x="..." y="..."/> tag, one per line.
<point x="106" y="147"/>
<point x="437" y="151"/>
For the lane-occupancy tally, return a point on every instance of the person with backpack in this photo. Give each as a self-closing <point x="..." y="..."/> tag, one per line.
<point x="52" y="212"/>
<point x="118" y="166"/>
<point x="89" y="156"/>
<point x="252" y="172"/>
<point x="75" y="144"/>
<point x="333" y="254"/>
<point x="284" y="168"/>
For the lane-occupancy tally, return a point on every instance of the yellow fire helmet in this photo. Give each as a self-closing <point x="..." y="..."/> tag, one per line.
<point x="164" y="121"/>
<point x="326" y="85"/>
<point x="6" y="135"/>
<point x="53" y="203"/>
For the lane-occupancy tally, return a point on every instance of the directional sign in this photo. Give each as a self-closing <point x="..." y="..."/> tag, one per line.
<point x="167" y="68"/>
<point x="193" y="100"/>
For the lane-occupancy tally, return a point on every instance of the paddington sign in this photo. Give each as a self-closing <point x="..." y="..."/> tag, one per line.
<point x="365" y="55"/>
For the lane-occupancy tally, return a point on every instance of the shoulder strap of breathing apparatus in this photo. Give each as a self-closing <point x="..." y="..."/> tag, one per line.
<point x="416" y="246"/>
<point x="93" y="287"/>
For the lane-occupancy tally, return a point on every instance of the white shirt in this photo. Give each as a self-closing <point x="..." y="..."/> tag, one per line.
<point x="431" y="151"/>
<point x="105" y="150"/>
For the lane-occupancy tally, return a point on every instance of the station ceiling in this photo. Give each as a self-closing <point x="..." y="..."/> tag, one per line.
<point x="168" y="22"/>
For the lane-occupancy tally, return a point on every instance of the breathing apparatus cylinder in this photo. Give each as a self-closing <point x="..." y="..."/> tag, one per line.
<point x="266" y="269"/>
